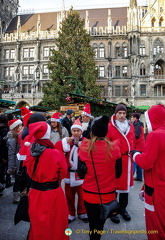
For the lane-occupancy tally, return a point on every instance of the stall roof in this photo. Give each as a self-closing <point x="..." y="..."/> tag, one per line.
<point x="7" y="103"/>
<point x="40" y="108"/>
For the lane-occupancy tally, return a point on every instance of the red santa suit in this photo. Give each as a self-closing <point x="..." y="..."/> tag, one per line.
<point x="124" y="182"/>
<point x="105" y="169"/>
<point x="152" y="161"/>
<point x="47" y="208"/>
<point x="73" y="183"/>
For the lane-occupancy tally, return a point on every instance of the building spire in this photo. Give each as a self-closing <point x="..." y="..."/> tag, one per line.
<point x="133" y="3"/>
<point x="63" y="5"/>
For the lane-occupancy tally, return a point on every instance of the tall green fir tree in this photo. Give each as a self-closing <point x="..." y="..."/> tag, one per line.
<point x="72" y="64"/>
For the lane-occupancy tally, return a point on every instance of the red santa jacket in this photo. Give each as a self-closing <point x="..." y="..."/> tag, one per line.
<point x="125" y="180"/>
<point x="104" y="165"/>
<point x="47" y="209"/>
<point x="152" y="160"/>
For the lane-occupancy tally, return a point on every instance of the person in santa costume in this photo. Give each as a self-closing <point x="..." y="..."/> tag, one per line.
<point x="152" y="161"/>
<point x="120" y="128"/>
<point x="73" y="183"/>
<point x="104" y="154"/>
<point x="46" y="167"/>
<point x="86" y="121"/>
<point x="25" y="114"/>
<point x="58" y="132"/>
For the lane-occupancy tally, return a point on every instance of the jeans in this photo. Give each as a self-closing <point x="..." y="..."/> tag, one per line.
<point x="138" y="171"/>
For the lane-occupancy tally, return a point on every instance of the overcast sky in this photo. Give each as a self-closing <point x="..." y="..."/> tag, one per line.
<point x="47" y="5"/>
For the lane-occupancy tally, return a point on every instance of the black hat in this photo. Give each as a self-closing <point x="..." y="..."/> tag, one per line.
<point x="120" y="107"/>
<point x="136" y="115"/>
<point x="3" y="118"/>
<point x="69" y="112"/>
<point x="100" y="126"/>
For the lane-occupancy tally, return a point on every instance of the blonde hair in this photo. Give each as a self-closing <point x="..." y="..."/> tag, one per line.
<point x="91" y="144"/>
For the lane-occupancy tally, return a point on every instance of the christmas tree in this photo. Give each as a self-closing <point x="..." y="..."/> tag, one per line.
<point x="72" y="64"/>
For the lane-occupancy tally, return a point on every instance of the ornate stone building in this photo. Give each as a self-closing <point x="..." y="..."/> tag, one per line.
<point x="128" y="44"/>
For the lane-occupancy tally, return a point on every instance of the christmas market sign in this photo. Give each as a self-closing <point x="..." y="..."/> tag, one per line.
<point x="65" y="108"/>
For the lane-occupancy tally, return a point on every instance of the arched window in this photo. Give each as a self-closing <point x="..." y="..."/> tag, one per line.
<point x="101" y="51"/>
<point x="159" y="90"/>
<point x="117" y="50"/>
<point x="158" y="46"/>
<point x="160" y="22"/>
<point x="142" y="48"/>
<point x="124" y="50"/>
<point x="153" y="22"/>
<point x="95" y="49"/>
<point x="142" y="70"/>
<point x="158" y="71"/>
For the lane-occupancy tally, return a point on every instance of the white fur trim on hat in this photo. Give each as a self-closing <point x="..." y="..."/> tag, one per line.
<point x="85" y="113"/>
<point x="54" y="120"/>
<point x="15" y="124"/>
<point x="148" y="122"/>
<point x="76" y="126"/>
<point x="47" y="134"/>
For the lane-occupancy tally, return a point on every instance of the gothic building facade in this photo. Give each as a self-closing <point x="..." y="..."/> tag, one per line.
<point x="129" y="45"/>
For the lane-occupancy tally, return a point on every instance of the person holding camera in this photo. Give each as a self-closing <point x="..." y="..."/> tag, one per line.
<point x="73" y="183"/>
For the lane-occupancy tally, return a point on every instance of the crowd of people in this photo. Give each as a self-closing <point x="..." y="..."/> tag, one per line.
<point x="39" y="153"/>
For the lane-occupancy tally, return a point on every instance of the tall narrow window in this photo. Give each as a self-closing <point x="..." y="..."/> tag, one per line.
<point x="12" y="53"/>
<point x="125" y="69"/>
<point x="125" y="91"/>
<point x="117" y="50"/>
<point x="6" y="71"/>
<point x="142" y="70"/>
<point x="160" y="22"/>
<point x="117" y="91"/>
<point x="11" y="73"/>
<point x="25" y="52"/>
<point x="31" y="52"/>
<point x="101" y="71"/>
<point x="124" y="50"/>
<point x="46" y="52"/>
<point x="153" y="22"/>
<point x="143" y="90"/>
<point x="101" y="50"/>
<point x="45" y="69"/>
<point x="25" y="70"/>
<point x="117" y="71"/>
<point x="31" y="69"/>
<point x="7" y="54"/>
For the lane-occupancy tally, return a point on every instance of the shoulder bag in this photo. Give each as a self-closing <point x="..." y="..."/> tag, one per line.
<point x="108" y="209"/>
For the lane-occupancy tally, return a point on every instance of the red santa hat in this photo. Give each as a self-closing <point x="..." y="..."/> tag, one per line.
<point x="56" y="117"/>
<point x="25" y="114"/>
<point x="77" y="124"/>
<point x="40" y="130"/>
<point x="87" y="110"/>
<point x="14" y="123"/>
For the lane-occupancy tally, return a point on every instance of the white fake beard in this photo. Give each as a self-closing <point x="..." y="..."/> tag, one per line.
<point x="84" y="126"/>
